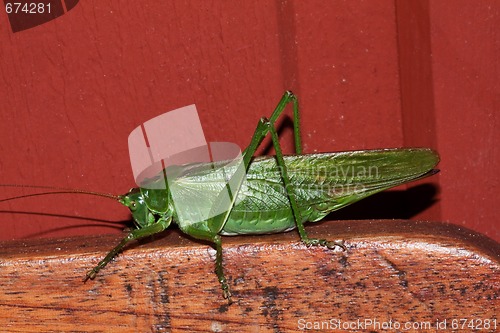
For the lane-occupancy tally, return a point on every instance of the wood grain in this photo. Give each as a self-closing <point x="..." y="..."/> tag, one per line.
<point x="393" y="270"/>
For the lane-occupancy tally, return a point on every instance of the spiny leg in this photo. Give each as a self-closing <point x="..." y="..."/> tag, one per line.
<point x="217" y="223"/>
<point x="149" y="230"/>
<point x="263" y="127"/>
<point x="261" y="132"/>
<point x="219" y="269"/>
<point x="291" y="195"/>
<point x="268" y="125"/>
<point x="287" y="98"/>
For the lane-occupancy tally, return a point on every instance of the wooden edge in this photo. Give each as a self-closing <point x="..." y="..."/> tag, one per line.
<point x="393" y="270"/>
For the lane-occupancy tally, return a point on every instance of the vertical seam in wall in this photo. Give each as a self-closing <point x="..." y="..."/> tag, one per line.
<point x="415" y="72"/>
<point x="415" y="76"/>
<point x="287" y="35"/>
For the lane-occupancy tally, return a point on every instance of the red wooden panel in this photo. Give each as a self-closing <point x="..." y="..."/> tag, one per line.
<point x="449" y="92"/>
<point x="465" y="53"/>
<point x="347" y="74"/>
<point x="72" y="89"/>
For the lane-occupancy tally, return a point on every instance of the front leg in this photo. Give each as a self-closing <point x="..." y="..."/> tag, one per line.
<point x="149" y="230"/>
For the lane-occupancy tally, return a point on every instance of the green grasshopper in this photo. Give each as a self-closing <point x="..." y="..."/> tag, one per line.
<point x="279" y="193"/>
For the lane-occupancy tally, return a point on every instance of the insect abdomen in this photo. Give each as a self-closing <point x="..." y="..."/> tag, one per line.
<point x="267" y="221"/>
<point x="258" y="223"/>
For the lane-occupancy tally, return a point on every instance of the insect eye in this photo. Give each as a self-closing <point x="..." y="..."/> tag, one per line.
<point x="133" y="205"/>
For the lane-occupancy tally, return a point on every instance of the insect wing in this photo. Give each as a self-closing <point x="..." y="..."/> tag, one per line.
<point x="326" y="182"/>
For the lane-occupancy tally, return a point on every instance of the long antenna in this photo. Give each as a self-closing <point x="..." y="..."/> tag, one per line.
<point x="55" y="190"/>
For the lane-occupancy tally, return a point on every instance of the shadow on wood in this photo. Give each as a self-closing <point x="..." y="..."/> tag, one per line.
<point x="400" y="272"/>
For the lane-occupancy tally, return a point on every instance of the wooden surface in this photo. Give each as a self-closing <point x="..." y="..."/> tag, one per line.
<point x="393" y="270"/>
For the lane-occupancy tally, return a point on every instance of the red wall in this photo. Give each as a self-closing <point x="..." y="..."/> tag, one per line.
<point x="368" y="74"/>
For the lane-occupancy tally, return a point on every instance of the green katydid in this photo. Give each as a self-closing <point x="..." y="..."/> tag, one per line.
<point x="279" y="193"/>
